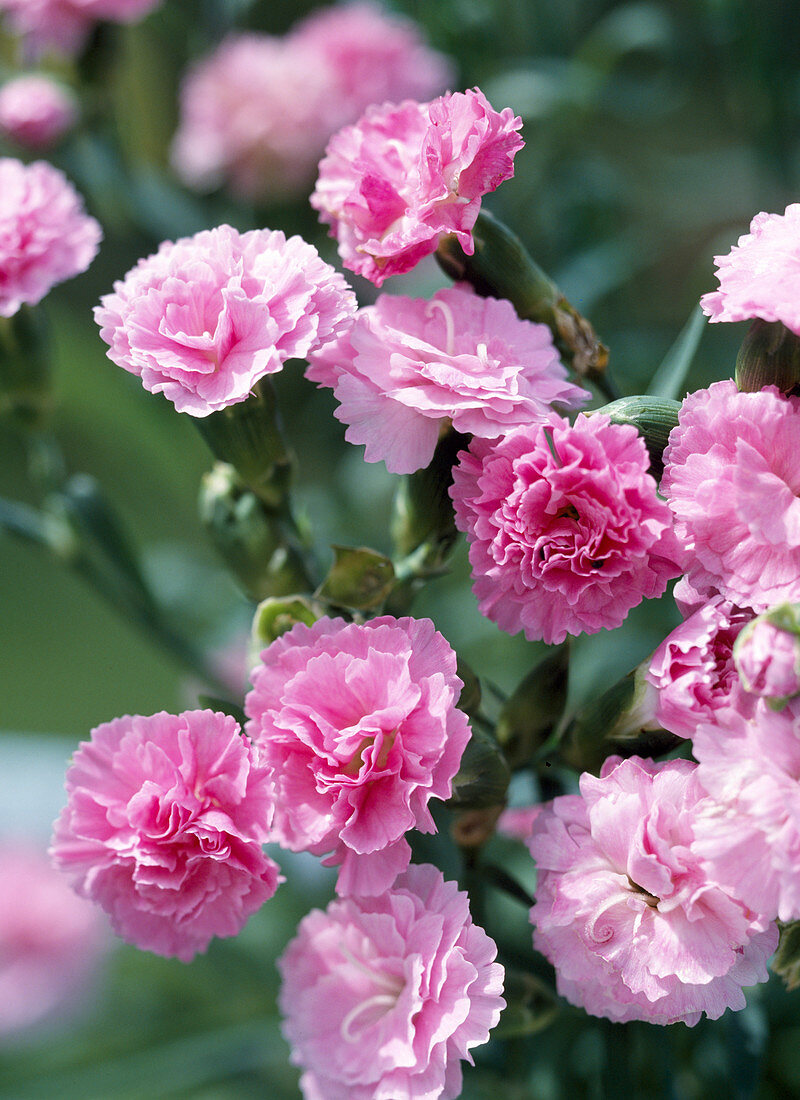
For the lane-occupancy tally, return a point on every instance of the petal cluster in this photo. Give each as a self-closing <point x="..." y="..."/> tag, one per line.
<point x="760" y="276"/>
<point x="45" y="234"/>
<point x="358" y="727"/>
<point x="205" y="317"/>
<point x="407" y="364"/>
<point x="566" y="530"/>
<point x="732" y="479"/>
<point x="35" y="111"/>
<point x="164" y="826"/>
<point x="635" y="926"/>
<point x="403" y="176"/>
<point x="383" y="997"/>
<point x="65" y="24"/>
<point x="767" y="659"/>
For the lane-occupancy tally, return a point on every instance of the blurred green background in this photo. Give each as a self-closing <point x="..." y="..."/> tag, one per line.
<point x="655" y="131"/>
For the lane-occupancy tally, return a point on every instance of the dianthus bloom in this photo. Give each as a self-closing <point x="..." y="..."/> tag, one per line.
<point x="50" y="940"/>
<point x="204" y="318"/>
<point x="383" y="997"/>
<point x="732" y="480"/>
<point x="751" y="837"/>
<point x="164" y="826"/>
<point x="693" y="667"/>
<point x="760" y="277"/>
<point x="65" y="24"/>
<point x="634" y="925"/>
<point x="35" y="111"/>
<point x="767" y="658"/>
<point x="403" y="176"/>
<point x="45" y="234"/>
<point x="407" y="364"/>
<point x="566" y="530"/>
<point x="359" y="729"/>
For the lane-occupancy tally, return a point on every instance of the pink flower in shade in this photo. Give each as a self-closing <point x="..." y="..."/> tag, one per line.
<point x="206" y="317"/>
<point x="383" y="997"/>
<point x="408" y="364"/>
<point x="50" y="940"/>
<point x="359" y="728"/>
<point x="65" y="24"/>
<point x="517" y="821"/>
<point x="767" y="658"/>
<point x="566" y="530"/>
<point x="750" y="838"/>
<point x="760" y="277"/>
<point x="693" y="668"/>
<point x="35" y="111"/>
<point x="164" y="826"/>
<point x="403" y="176"/>
<point x="634" y="925"/>
<point x="374" y="56"/>
<point x="732" y="479"/>
<point x="45" y="234"/>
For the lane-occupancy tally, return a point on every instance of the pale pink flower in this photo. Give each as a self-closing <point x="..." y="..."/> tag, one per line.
<point x="403" y="176"/>
<point x="732" y="480"/>
<point x="517" y="821"/>
<point x="359" y="728"/>
<point x="45" y="234"/>
<point x="750" y="838"/>
<point x="164" y="826"/>
<point x="383" y="997"/>
<point x="634" y="925"/>
<point x="204" y="318"/>
<point x="65" y="24"/>
<point x="566" y="530"/>
<point x="35" y="110"/>
<point x="767" y="659"/>
<point x="760" y="276"/>
<point x="408" y="364"/>
<point x="693" y="668"/>
<point x="50" y="940"/>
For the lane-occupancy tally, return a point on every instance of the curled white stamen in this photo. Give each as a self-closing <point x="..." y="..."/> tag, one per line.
<point x="483" y="354"/>
<point x="380" y="1000"/>
<point x="393" y="985"/>
<point x="450" y="325"/>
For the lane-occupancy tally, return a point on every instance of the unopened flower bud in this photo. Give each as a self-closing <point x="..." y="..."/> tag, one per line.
<point x="483" y="777"/>
<point x="529" y="716"/>
<point x="359" y="578"/>
<point x="787" y="957"/>
<point x="275" y="615"/>
<point x="769" y="356"/>
<point x="767" y="655"/>
<point x="653" y="417"/>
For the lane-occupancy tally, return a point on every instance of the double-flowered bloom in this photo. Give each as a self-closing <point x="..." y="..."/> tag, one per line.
<point x="65" y="24"/>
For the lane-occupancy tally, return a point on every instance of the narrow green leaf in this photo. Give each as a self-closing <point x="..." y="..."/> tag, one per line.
<point x="669" y="380"/>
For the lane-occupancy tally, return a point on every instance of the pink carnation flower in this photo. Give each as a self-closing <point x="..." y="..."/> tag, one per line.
<point x="408" y="364"/>
<point x="383" y="997"/>
<point x="35" y="111"/>
<point x="65" y="24"/>
<point x="50" y="940"/>
<point x="359" y="728"/>
<point x="566" y="530"/>
<point x="204" y="318"/>
<point x="625" y="911"/>
<point x="760" y="277"/>
<point x="750" y="837"/>
<point x="767" y="659"/>
<point x="163" y="828"/>
<point x="403" y="176"/>
<point x="732" y="480"/>
<point x="693" y="668"/>
<point x="45" y="234"/>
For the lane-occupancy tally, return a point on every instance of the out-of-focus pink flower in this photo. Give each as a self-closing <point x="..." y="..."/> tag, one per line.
<point x="760" y="276"/>
<point x="408" y="364"/>
<point x="634" y="925"/>
<point x="383" y="997"/>
<point x="45" y="234"/>
<point x="517" y="821"/>
<point x="50" y="940"/>
<point x="693" y="668"/>
<point x="64" y="24"/>
<point x="732" y="480"/>
<point x="403" y="176"/>
<point x="767" y="658"/>
<point x="164" y="826"/>
<point x="750" y="838"/>
<point x="565" y="527"/>
<point x="359" y="728"/>
<point x="35" y="110"/>
<point x="204" y="318"/>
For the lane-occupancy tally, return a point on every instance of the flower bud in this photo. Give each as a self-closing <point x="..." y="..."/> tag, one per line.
<point x="483" y="777"/>
<point x="359" y="578"/>
<point x="787" y="957"/>
<point x="769" y="356"/>
<point x="653" y="417"/>
<point x="766" y="654"/>
<point x="274" y="616"/>
<point x="529" y="716"/>
<point x="531" y="1006"/>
